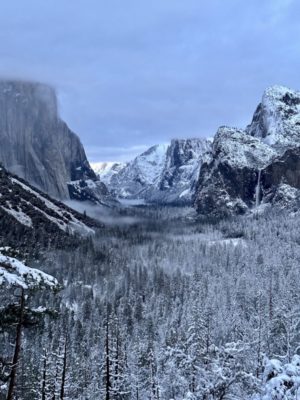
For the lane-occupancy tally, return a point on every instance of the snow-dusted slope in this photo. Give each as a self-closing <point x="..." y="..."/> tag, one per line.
<point x="33" y="209"/>
<point x="258" y="165"/>
<point x="276" y="120"/>
<point x="177" y="182"/>
<point x="106" y="170"/>
<point x="15" y="273"/>
<point x="140" y="173"/>
<point x="165" y="173"/>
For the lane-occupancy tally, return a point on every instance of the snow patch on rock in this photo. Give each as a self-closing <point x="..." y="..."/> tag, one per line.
<point x="15" y="273"/>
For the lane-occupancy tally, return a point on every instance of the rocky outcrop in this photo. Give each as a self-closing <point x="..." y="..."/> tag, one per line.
<point x="255" y="166"/>
<point x="35" y="143"/>
<point x="164" y="174"/>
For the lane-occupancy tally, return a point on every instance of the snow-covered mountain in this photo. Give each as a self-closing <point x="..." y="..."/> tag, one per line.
<point x="23" y="208"/>
<point x="258" y="165"/>
<point x="165" y="173"/>
<point x="105" y="170"/>
<point x="39" y="147"/>
<point x="276" y="120"/>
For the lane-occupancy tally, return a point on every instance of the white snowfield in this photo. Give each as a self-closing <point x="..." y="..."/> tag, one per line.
<point x="105" y="170"/>
<point x="15" y="273"/>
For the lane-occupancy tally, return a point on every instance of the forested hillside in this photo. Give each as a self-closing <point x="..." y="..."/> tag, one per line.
<point x="169" y="308"/>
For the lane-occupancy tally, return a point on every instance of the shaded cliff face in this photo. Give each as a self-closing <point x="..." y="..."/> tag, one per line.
<point x="35" y="143"/>
<point x="164" y="174"/>
<point x="259" y="165"/>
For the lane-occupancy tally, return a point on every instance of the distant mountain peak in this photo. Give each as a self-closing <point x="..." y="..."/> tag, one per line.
<point x="164" y="173"/>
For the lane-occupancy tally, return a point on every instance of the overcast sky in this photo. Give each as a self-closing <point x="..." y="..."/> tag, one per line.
<point x="132" y="73"/>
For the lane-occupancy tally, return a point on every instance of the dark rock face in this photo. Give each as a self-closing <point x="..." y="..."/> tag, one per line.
<point x="283" y="170"/>
<point x="258" y="165"/>
<point x="35" y="143"/>
<point x="257" y="124"/>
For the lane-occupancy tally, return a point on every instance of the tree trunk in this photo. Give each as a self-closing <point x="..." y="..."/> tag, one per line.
<point x="107" y="366"/>
<point x="44" y="377"/>
<point x="16" y="356"/>
<point x="63" y="378"/>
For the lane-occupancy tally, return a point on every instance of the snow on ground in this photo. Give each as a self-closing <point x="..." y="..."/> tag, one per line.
<point x="19" y="216"/>
<point x="74" y="224"/>
<point x="15" y="273"/>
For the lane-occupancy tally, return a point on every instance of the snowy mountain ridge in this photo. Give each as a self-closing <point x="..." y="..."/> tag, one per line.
<point x="105" y="170"/>
<point x="276" y="120"/>
<point x="261" y="161"/>
<point x="165" y="173"/>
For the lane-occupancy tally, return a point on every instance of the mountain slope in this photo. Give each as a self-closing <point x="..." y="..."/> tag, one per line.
<point x="276" y="120"/>
<point x="28" y="215"/>
<point x="259" y="165"/>
<point x="164" y="174"/>
<point x="105" y="170"/>
<point x="35" y="143"/>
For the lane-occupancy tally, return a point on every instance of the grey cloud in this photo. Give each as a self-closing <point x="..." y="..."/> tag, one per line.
<point x="130" y="74"/>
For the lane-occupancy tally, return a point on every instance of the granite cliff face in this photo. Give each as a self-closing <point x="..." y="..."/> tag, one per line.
<point x="164" y="174"/>
<point x="35" y="143"/>
<point x="258" y="165"/>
